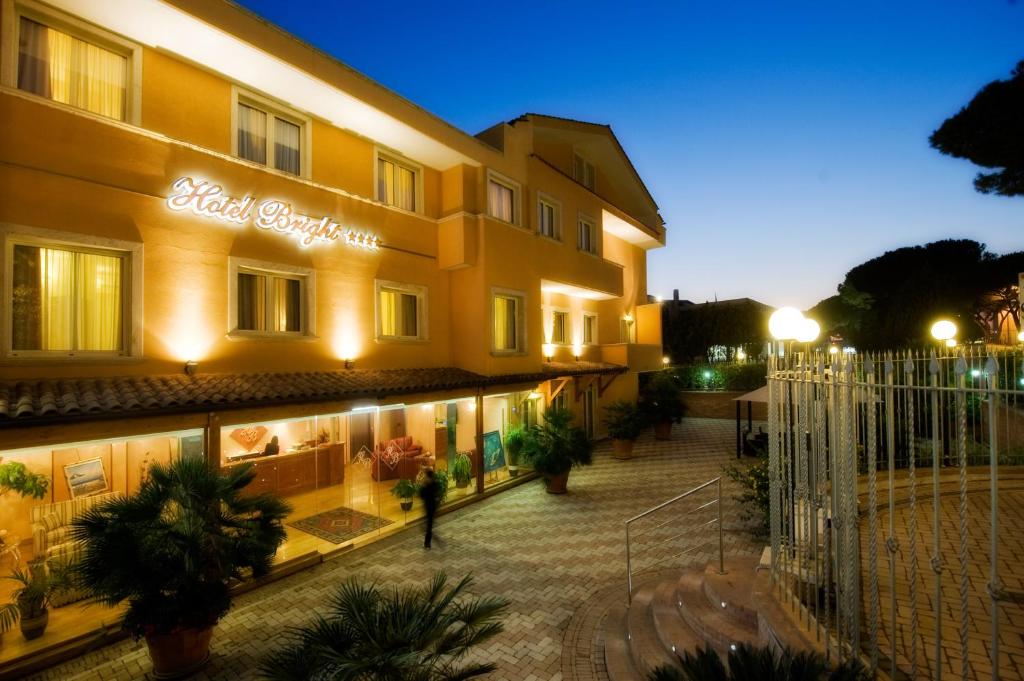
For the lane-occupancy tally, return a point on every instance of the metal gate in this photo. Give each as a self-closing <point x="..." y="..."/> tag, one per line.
<point x="890" y="538"/>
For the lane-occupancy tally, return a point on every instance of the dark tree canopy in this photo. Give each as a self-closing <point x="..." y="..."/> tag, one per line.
<point x="891" y="301"/>
<point x="689" y="332"/>
<point x="989" y="132"/>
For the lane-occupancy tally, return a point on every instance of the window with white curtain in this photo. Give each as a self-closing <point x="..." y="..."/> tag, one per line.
<point x="396" y="183"/>
<point x="269" y="138"/>
<point x="559" y="327"/>
<point x="67" y="300"/>
<point x="586" y="239"/>
<point x="501" y="200"/>
<point x="508" y="326"/>
<point x="548" y="219"/>
<point x="68" y="69"/>
<point x="583" y="172"/>
<point x="401" y="311"/>
<point x="269" y="302"/>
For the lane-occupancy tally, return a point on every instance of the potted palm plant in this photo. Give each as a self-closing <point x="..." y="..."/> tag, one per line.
<point x="555" y="447"/>
<point x="624" y="422"/>
<point x="514" y="439"/>
<point x="31" y="599"/>
<point x="662" y="404"/>
<point x="405" y="490"/>
<point x="461" y="470"/>
<point x="409" y="633"/>
<point x="173" y="551"/>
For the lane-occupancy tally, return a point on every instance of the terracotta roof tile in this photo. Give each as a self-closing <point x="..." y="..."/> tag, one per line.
<point x="44" y="401"/>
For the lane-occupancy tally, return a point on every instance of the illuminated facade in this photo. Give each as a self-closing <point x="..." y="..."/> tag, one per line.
<point x="214" y="235"/>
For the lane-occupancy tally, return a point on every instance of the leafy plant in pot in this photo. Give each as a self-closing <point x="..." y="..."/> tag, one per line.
<point x="405" y="490"/>
<point x="515" y="437"/>
<point x="31" y="600"/>
<point x="461" y="470"/>
<point x="555" y="447"/>
<point x="624" y="422"/>
<point x="173" y="551"/>
<point x="662" y="403"/>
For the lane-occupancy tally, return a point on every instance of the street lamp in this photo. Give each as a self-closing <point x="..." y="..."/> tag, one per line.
<point x="808" y="331"/>
<point x="943" y="330"/>
<point x="785" y="323"/>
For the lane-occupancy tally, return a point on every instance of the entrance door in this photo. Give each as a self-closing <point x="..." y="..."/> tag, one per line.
<point x="360" y="434"/>
<point x="590" y="412"/>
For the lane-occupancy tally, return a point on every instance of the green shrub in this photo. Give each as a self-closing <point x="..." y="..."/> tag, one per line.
<point x="558" y="445"/>
<point x="755" y="497"/>
<point x="405" y="489"/>
<point x="757" y="663"/>
<point x="624" y="420"/>
<point x="461" y="469"/>
<point x="661" y="399"/>
<point x="722" y="376"/>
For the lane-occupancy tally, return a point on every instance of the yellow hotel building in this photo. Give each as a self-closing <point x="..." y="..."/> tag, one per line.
<point x="219" y="241"/>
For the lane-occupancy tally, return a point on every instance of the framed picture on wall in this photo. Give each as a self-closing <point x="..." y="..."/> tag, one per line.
<point x="86" y="477"/>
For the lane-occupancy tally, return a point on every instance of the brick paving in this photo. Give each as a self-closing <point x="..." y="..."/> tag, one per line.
<point x="979" y="633"/>
<point x="560" y="560"/>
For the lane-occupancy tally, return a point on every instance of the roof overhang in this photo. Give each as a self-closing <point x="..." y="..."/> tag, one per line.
<point x="163" y="27"/>
<point x="616" y="226"/>
<point x="549" y="286"/>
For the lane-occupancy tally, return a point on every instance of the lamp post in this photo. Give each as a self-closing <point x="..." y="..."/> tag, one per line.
<point x="944" y="331"/>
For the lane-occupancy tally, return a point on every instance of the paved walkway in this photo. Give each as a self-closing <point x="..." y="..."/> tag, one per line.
<point x="551" y="556"/>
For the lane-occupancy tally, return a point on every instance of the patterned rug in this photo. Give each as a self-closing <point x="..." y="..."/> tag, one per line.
<point x="339" y="525"/>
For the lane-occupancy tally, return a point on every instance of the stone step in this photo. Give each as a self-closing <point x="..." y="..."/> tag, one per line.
<point x="733" y="588"/>
<point x="644" y="644"/>
<point x="618" y="660"/>
<point x="673" y="633"/>
<point x="716" y="625"/>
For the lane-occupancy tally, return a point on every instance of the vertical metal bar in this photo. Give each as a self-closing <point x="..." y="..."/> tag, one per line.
<point x="994" y="587"/>
<point x="933" y="369"/>
<point x="908" y="379"/>
<point x="721" y="552"/>
<point x="891" y="543"/>
<point x="629" y="570"/>
<point x="872" y="442"/>
<point x="961" y="445"/>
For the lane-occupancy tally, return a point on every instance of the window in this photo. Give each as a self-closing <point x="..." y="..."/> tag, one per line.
<point x="590" y="412"/>
<point x="269" y="302"/>
<point x="501" y="198"/>
<point x="548" y="218"/>
<point x="68" y="299"/>
<point x="583" y="172"/>
<point x="268" y="137"/>
<point x="589" y="328"/>
<point x="561" y="400"/>
<point x="559" y="327"/>
<point x="508" y="331"/>
<point x="586" y="239"/>
<point x="401" y="313"/>
<point x="396" y="183"/>
<point x="68" y="69"/>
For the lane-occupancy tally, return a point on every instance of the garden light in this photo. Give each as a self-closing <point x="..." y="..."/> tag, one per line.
<point x="1020" y="336"/>
<point x="833" y="350"/>
<point x="808" y="331"/>
<point x="665" y="360"/>
<point x="943" y="330"/>
<point x="951" y="342"/>
<point x="784" y="323"/>
<point x="707" y="374"/>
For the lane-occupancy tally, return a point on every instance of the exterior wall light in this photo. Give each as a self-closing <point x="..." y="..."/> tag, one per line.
<point x="833" y="350"/>
<point x="577" y="350"/>
<point x="191" y="367"/>
<point x="741" y="355"/>
<point x="665" y="360"/>
<point x="943" y="330"/>
<point x="549" y="350"/>
<point x="1020" y="336"/>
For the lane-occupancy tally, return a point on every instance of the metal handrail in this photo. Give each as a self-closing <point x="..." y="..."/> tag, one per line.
<point x="698" y="488"/>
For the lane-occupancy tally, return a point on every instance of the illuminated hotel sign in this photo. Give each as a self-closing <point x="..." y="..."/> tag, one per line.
<point x="207" y="199"/>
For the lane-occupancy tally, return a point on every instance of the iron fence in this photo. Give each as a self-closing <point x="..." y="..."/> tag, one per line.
<point x="885" y="477"/>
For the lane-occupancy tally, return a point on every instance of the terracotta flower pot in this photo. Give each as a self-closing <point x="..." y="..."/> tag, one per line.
<point x="179" y="654"/>
<point x="663" y="430"/>
<point x="623" y="449"/>
<point x="556" y="484"/>
<point x="33" y="627"/>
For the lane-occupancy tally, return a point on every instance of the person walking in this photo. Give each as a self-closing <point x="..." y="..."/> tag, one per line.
<point x="430" y="493"/>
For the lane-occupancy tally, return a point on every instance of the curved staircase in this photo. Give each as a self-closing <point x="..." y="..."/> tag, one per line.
<point x="691" y="609"/>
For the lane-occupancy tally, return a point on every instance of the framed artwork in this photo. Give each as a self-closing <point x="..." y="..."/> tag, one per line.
<point x="494" y="453"/>
<point x="86" y="477"/>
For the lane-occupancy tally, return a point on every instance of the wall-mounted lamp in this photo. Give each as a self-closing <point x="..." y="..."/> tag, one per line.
<point x="549" y="351"/>
<point x="350" y="363"/>
<point x="577" y="350"/>
<point x="665" y="360"/>
<point x="191" y="367"/>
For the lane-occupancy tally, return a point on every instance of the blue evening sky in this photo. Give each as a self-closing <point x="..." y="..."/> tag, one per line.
<point x="784" y="140"/>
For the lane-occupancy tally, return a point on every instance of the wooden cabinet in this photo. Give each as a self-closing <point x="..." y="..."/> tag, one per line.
<point x="295" y="472"/>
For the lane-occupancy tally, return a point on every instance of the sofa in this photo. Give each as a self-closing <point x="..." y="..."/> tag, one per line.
<point x="51" y="535"/>
<point x="399" y="458"/>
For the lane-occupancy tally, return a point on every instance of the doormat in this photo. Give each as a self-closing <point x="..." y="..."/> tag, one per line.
<point x="340" y="524"/>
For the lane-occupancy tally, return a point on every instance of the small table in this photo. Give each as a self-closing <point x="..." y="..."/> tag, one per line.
<point x="9" y="546"/>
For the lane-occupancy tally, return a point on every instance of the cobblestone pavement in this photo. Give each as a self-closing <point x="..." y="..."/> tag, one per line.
<point x="551" y="556"/>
